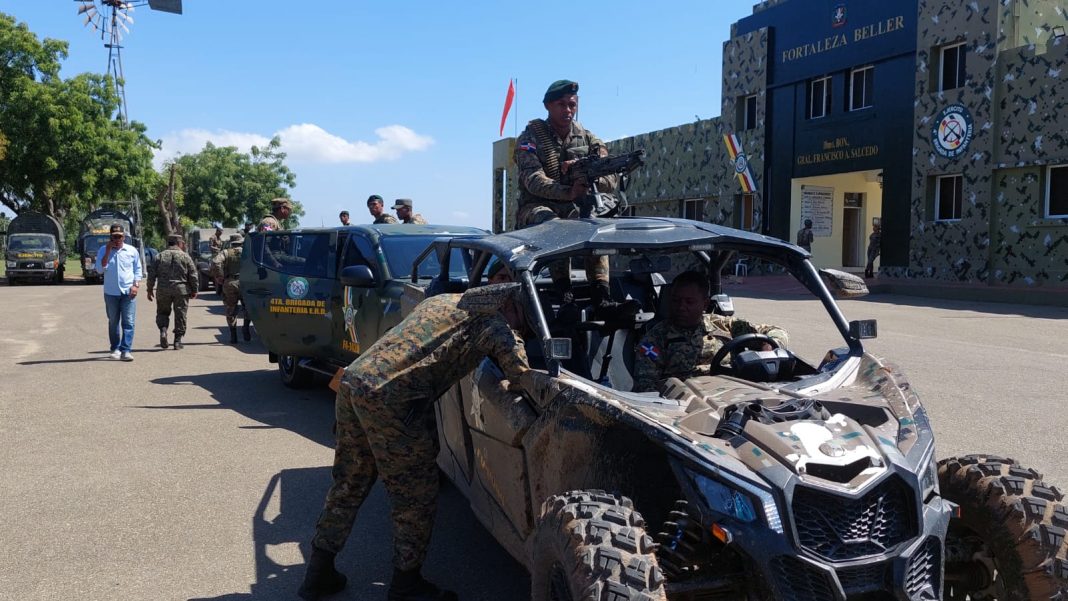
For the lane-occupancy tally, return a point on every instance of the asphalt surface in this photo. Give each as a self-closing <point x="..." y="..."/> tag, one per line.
<point x="195" y="475"/>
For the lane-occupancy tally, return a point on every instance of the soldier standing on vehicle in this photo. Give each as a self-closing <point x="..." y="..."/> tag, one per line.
<point x="177" y="276"/>
<point x="226" y="269"/>
<point x="344" y="217"/>
<point x="216" y="242"/>
<point x="682" y="346"/>
<point x="377" y="208"/>
<point x="544" y="152"/>
<point x="281" y="209"/>
<point x="805" y="236"/>
<point x="385" y="427"/>
<point x="403" y="206"/>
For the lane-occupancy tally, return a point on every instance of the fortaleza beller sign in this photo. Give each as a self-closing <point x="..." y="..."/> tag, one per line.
<point x="842" y="40"/>
<point x="952" y="131"/>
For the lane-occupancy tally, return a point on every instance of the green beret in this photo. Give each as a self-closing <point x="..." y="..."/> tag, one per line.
<point x="559" y="89"/>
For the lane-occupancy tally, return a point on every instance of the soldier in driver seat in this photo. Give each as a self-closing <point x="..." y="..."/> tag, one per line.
<point x="682" y="346"/>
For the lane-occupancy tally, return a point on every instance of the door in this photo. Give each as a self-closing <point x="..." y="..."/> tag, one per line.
<point x="366" y="312"/>
<point x="853" y="230"/>
<point x="289" y="283"/>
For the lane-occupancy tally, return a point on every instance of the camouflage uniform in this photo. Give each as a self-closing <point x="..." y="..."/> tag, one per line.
<point x="672" y="351"/>
<point x="177" y="276"/>
<point x="416" y="219"/>
<point x="216" y="244"/>
<point x="227" y="265"/>
<point x="542" y="198"/>
<point x="875" y="244"/>
<point x="269" y="224"/>
<point x="385" y="425"/>
<point x="385" y="218"/>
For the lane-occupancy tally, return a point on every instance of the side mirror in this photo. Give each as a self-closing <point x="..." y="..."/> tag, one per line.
<point x="842" y="284"/>
<point x="863" y="329"/>
<point x="722" y="304"/>
<point x="358" y="276"/>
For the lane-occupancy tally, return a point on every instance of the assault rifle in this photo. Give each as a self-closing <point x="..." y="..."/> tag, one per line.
<point x="588" y="169"/>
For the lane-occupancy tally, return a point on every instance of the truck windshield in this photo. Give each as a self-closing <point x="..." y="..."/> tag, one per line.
<point x="204" y="247"/>
<point x="27" y="242"/>
<point x="93" y="243"/>
<point x="401" y="251"/>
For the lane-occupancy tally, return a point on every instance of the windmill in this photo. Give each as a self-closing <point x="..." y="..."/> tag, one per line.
<point x="112" y="18"/>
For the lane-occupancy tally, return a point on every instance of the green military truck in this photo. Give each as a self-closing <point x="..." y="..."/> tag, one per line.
<point x="36" y="249"/>
<point x="93" y="233"/>
<point x="198" y="245"/>
<point x="320" y="296"/>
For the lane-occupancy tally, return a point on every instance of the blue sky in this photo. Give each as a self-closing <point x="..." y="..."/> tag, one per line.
<point x="401" y="99"/>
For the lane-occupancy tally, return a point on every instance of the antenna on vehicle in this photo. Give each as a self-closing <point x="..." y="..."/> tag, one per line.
<point x="112" y="19"/>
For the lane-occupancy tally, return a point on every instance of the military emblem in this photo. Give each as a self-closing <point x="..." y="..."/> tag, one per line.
<point x="297" y="288"/>
<point x="649" y="350"/>
<point x="741" y="163"/>
<point x="952" y="131"/>
<point x="838" y="15"/>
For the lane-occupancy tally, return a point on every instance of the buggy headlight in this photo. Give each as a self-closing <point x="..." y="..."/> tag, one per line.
<point x="726" y="500"/>
<point x="929" y="475"/>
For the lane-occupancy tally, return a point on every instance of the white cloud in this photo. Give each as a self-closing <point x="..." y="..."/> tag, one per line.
<point x="303" y="142"/>
<point x="463" y="216"/>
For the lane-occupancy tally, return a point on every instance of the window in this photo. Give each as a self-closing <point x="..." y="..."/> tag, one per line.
<point x="749" y="110"/>
<point x="951" y="67"/>
<point x="949" y="195"/>
<point x="630" y="211"/>
<point x="860" y="88"/>
<point x="693" y="209"/>
<point x="303" y="254"/>
<point x="1057" y="191"/>
<point x="743" y="214"/>
<point x="819" y="97"/>
<point x="401" y="251"/>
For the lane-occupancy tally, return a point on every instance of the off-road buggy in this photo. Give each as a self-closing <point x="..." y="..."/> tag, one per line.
<point x="775" y="476"/>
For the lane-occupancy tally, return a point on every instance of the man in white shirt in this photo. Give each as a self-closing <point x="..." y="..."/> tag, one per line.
<point x="121" y="265"/>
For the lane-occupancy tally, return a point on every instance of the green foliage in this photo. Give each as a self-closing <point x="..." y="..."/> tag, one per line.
<point x="220" y="185"/>
<point x="66" y="152"/>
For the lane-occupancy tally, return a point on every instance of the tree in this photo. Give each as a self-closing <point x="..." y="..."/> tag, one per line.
<point x="66" y="151"/>
<point x="222" y="185"/>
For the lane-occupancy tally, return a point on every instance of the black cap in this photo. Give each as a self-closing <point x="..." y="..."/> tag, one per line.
<point x="559" y="89"/>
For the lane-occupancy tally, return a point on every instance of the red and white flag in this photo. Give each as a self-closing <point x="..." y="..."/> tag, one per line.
<point x="507" y="104"/>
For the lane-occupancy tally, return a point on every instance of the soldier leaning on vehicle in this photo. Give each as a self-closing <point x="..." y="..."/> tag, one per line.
<point x="281" y="209"/>
<point x="403" y="207"/>
<point x="385" y="426"/>
<point x="177" y="278"/>
<point x="226" y="269"/>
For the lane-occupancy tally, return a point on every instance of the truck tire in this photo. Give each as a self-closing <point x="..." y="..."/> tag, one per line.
<point x="592" y="546"/>
<point x="292" y="374"/>
<point x="1010" y="533"/>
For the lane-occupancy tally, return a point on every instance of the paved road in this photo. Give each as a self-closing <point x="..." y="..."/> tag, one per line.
<point x="195" y="475"/>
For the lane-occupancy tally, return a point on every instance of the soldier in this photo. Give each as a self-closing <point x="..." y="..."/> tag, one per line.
<point x="216" y="242"/>
<point x="403" y="207"/>
<point x="178" y="279"/>
<point x="344" y="217"/>
<point x="544" y="152"/>
<point x="376" y="207"/>
<point x="385" y="427"/>
<point x="226" y="269"/>
<point x="682" y="346"/>
<point x="281" y="208"/>
<point x="805" y="236"/>
<point x="875" y="243"/>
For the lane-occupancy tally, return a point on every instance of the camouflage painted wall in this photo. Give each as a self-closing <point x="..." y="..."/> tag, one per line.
<point x="1014" y="99"/>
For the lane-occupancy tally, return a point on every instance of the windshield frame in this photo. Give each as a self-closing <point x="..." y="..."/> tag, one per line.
<point x="49" y="242"/>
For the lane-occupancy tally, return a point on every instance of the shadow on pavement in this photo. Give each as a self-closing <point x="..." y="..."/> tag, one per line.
<point x="462" y="555"/>
<point x="102" y="357"/>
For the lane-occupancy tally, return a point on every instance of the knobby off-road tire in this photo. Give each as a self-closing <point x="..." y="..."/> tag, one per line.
<point x="1021" y="520"/>
<point x="592" y="546"/>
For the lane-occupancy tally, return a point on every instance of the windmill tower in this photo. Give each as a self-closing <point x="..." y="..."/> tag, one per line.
<point x="112" y="18"/>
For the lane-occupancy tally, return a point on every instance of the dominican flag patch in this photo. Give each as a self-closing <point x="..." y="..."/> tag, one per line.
<point x="528" y="146"/>
<point x="649" y="350"/>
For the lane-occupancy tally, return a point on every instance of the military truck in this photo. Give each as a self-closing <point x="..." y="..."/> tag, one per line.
<point x="319" y="296"/>
<point x="93" y="233"/>
<point x="198" y="245"/>
<point x="36" y="249"/>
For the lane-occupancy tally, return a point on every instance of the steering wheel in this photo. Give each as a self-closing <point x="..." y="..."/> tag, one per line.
<point x="731" y="347"/>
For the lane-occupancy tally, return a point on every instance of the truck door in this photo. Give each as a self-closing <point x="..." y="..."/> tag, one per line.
<point x="288" y="282"/>
<point x="367" y="312"/>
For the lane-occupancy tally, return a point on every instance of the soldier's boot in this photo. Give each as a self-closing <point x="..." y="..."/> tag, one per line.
<point x="233" y="334"/>
<point x="410" y="586"/>
<point x="322" y="578"/>
<point x="607" y="309"/>
<point x="178" y="343"/>
<point x="246" y="333"/>
<point x="163" y="337"/>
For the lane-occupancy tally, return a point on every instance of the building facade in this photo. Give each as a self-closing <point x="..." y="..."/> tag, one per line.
<point x="938" y="120"/>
